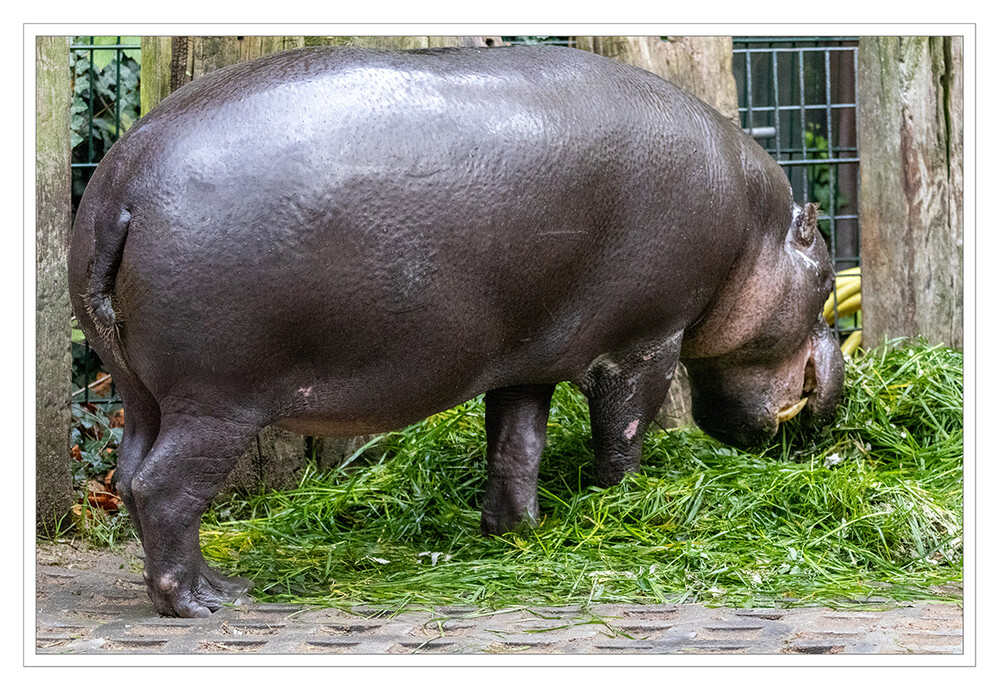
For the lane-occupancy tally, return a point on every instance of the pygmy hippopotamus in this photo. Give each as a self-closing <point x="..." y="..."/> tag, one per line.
<point x="340" y="241"/>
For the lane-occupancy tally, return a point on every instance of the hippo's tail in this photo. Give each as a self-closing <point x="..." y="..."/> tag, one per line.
<point x="109" y="245"/>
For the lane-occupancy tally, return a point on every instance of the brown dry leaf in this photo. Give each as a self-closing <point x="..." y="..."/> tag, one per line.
<point x="102" y="389"/>
<point x="107" y="502"/>
<point x="109" y="480"/>
<point x="117" y="419"/>
<point x="76" y="453"/>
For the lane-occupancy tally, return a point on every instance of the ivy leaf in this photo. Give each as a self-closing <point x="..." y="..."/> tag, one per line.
<point x="133" y="53"/>
<point x="103" y="58"/>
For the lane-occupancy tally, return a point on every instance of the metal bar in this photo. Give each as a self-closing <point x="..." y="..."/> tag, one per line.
<point x="832" y="168"/>
<point x="847" y="155"/>
<point x="801" y="99"/>
<point x="117" y="90"/>
<point x="859" y="170"/>
<point x="776" y="106"/>
<point x="818" y="161"/>
<point x="801" y="49"/>
<point x="90" y="110"/>
<point x="792" y="39"/>
<point x="749" y="92"/>
<point x="817" y="106"/>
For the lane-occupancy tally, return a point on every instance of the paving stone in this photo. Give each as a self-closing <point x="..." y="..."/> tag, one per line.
<point x="90" y="611"/>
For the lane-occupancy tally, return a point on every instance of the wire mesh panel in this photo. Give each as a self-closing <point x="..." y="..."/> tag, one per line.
<point x="797" y="98"/>
<point x="105" y="73"/>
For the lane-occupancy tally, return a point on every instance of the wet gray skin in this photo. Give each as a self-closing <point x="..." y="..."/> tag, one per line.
<point x="339" y="241"/>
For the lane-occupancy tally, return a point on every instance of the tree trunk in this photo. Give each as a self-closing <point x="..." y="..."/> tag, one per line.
<point x="53" y="373"/>
<point x="910" y="126"/>
<point x="703" y="67"/>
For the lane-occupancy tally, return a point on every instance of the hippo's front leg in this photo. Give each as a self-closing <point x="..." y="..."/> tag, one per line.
<point x="625" y="393"/>
<point x="516" y="428"/>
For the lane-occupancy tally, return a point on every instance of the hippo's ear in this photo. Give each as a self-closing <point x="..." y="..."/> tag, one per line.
<point x="806" y="224"/>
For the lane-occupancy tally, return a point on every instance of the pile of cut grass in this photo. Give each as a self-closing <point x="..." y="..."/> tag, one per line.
<point x="870" y="507"/>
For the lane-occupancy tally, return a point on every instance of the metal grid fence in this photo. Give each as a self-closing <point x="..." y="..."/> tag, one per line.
<point x="797" y="98"/>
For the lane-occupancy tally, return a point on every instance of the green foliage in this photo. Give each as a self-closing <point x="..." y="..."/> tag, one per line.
<point x="92" y="137"/>
<point x="97" y="440"/>
<point x="86" y="363"/>
<point x="104" y="529"/>
<point x="95" y="452"/>
<point x="869" y="506"/>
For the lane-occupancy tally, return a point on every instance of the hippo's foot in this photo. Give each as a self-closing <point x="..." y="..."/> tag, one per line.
<point x="497" y="523"/>
<point x="197" y="594"/>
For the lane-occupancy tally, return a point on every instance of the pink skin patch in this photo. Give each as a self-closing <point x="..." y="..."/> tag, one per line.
<point x="631" y="430"/>
<point x="306" y="391"/>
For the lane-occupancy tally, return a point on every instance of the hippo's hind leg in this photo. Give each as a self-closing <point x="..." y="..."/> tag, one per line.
<point x="142" y="424"/>
<point x="625" y="392"/>
<point x="516" y="426"/>
<point x="175" y="483"/>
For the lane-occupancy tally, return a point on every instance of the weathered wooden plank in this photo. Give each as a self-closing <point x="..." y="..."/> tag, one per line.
<point x="910" y="131"/>
<point x="209" y="53"/>
<point x="701" y="65"/>
<point x="53" y="373"/>
<point x="154" y="84"/>
<point x="405" y="42"/>
<point x="464" y="41"/>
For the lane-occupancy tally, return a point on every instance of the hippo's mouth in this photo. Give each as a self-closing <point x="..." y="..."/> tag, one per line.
<point x="808" y="387"/>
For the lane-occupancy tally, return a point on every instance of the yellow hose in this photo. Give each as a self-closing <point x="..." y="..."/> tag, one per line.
<point x="845" y="300"/>
<point x="851" y="344"/>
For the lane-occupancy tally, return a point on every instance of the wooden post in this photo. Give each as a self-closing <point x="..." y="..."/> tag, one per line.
<point x="703" y="67"/>
<point x="154" y="82"/>
<point x="910" y="131"/>
<point x="53" y="374"/>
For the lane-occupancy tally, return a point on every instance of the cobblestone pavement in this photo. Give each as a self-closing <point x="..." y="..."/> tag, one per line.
<point x="92" y="602"/>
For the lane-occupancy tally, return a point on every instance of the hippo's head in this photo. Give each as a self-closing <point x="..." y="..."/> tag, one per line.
<point x="763" y="352"/>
